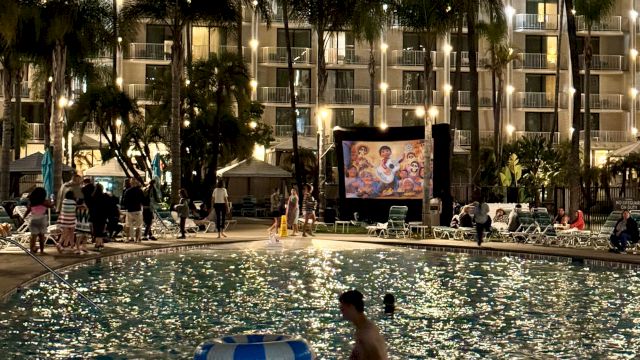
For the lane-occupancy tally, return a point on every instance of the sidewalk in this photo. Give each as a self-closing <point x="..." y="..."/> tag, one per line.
<point x="18" y="269"/>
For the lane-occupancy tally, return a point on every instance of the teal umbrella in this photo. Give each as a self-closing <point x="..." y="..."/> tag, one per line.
<point x="155" y="167"/>
<point x="47" y="172"/>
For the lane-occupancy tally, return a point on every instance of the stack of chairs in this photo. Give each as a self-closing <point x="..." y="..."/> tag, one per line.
<point x="396" y="225"/>
<point x="527" y="229"/>
<point x="546" y="232"/>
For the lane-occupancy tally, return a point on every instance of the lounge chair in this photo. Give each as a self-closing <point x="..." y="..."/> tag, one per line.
<point x="527" y="227"/>
<point x="249" y="206"/>
<point x="396" y="225"/>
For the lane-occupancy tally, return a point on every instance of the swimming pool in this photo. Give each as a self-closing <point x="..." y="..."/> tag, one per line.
<point x="449" y="305"/>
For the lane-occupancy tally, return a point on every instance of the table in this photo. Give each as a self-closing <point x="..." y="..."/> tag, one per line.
<point x="341" y="222"/>
<point x="420" y="229"/>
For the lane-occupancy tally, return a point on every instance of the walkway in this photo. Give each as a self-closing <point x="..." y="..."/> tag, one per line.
<point x="17" y="269"/>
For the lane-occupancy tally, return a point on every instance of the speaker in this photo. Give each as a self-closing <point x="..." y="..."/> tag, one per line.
<point x="441" y="134"/>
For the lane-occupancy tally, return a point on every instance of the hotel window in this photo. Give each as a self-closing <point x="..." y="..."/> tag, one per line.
<point x="594" y="84"/>
<point x="465" y="80"/>
<point x="339" y="48"/>
<point x="542" y="7"/>
<point x="283" y="121"/>
<point x="343" y="117"/>
<point x="301" y="78"/>
<point x="464" y="46"/>
<point x="157" y="34"/>
<point x="595" y="44"/>
<point x="464" y="121"/>
<point x="206" y="40"/>
<point x="155" y="73"/>
<point x="299" y="38"/>
<point x="540" y="83"/>
<point x="340" y="79"/>
<point x="409" y="118"/>
<point x="538" y="122"/>
<point x="413" y="41"/>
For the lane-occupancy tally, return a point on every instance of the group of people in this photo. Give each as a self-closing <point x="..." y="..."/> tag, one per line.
<point x="291" y="210"/>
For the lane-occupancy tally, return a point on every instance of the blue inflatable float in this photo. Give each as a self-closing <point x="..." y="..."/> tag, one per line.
<point x="254" y="347"/>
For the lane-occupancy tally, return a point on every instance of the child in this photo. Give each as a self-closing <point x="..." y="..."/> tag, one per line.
<point x="83" y="227"/>
<point x="67" y="221"/>
<point x="308" y="210"/>
<point x="38" y="205"/>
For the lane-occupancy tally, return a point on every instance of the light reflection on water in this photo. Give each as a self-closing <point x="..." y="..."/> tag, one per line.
<point x="449" y="305"/>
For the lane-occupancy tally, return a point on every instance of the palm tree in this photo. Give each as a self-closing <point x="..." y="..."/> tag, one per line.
<point x="574" y="157"/>
<point x="592" y="12"/>
<point x="367" y="22"/>
<point x="177" y="15"/>
<point x="432" y="19"/>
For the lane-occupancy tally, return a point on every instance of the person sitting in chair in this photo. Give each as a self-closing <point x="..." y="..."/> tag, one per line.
<point x="625" y="232"/>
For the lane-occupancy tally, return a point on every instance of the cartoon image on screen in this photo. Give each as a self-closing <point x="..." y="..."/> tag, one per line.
<point x="390" y="169"/>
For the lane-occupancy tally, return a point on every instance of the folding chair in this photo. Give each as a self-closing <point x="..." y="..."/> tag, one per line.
<point x="396" y="225"/>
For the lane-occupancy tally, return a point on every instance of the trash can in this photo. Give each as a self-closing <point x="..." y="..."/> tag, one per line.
<point x="435" y="209"/>
<point x="329" y="215"/>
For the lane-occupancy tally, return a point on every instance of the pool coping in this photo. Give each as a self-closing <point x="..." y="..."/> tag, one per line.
<point x="587" y="258"/>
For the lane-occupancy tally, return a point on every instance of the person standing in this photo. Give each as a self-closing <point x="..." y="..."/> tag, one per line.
<point x="67" y="221"/>
<point x="482" y="219"/>
<point x="308" y="210"/>
<point x="183" y="212"/>
<point x="99" y="212"/>
<point x="220" y="200"/>
<point x="292" y="211"/>
<point x="87" y="190"/>
<point x="38" y="206"/>
<point x="150" y="198"/>
<point x="275" y="201"/>
<point x="71" y="185"/>
<point x="369" y="344"/>
<point x="132" y="200"/>
<point x="83" y="227"/>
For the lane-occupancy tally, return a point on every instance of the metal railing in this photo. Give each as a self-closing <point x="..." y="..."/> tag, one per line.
<point x="536" y="22"/>
<point x="604" y="101"/>
<point x="408" y="57"/>
<point x="537" y="100"/>
<point x="278" y="55"/>
<point x="536" y="61"/>
<point x="149" y="51"/>
<point x="25" y="90"/>
<point x="538" y="134"/>
<point x="603" y="62"/>
<point x="463" y="137"/>
<point x="484" y="98"/>
<point x="406" y="97"/>
<point x="613" y="136"/>
<point x="203" y="52"/>
<point x="336" y="56"/>
<point x="438" y="98"/>
<point x="282" y="95"/>
<point x="464" y="62"/>
<point x="287" y="130"/>
<point x="350" y="96"/>
<point x="89" y="129"/>
<point x="142" y="92"/>
<point x="609" y="23"/>
<point x="37" y="131"/>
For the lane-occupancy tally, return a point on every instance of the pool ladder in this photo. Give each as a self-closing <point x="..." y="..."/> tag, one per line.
<point x="53" y="272"/>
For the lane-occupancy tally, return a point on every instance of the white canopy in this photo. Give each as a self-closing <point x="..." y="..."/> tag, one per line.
<point x="626" y="150"/>
<point x="110" y="168"/>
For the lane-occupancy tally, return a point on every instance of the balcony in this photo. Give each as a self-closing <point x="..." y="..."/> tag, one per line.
<point x="202" y="52"/>
<point x="25" y="91"/>
<point x="143" y="92"/>
<point x="438" y="98"/>
<point x="536" y="22"/>
<point x="287" y="130"/>
<point x="281" y="95"/>
<point x="610" y="136"/>
<point x="463" y="138"/>
<point x="407" y="58"/>
<point x="37" y="132"/>
<point x="350" y="96"/>
<point x="464" y="60"/>
<point x="538" y="134"/>
<point x="604" y="63"/>
<point x="90" y="128"/>
<point x="484" y="99"/>
<point x="538" y="100"/>
<point x="604" y="102"/>
<point x="536" y="62"/>
<point x="610" y="25"/>
<point x="335" y="56"/>
<point x="406" y="97"/>
<point x="278" y="55"/>
<point x="149" y="51"/>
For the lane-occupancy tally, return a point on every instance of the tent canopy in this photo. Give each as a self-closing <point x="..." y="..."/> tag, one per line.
<point x="253" y="168"/>
<point x="32" y="164"/>
<point x="303" y="141"/>
<point x="626" y="150"/>
<point x="87" y="142"/>
<point x="110" y="168"/>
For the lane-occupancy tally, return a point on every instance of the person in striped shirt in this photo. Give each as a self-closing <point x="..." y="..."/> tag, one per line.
<point x="67" y="221"/>
<point x="308" y="209"/>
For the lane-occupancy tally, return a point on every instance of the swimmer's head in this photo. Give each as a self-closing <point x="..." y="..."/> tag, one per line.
<point x="351" y="304"/>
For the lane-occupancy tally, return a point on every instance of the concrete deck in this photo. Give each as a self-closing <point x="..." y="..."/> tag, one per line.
<point x="18" y="269"/>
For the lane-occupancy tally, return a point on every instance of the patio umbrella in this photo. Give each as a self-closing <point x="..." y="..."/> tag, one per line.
<point x="626" y="150"/>
<point x="47" y="172"/>
<point x="156" y="171"/>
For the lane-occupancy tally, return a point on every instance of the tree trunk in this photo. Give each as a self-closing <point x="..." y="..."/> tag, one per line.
<point x="574" y="157"/>
<point x="18" y="118"/>
<point x="57" y="115"/>
<point x="496" y="111"/>
<point x="427" y="101"/>
<point x="498" y="115"/>
<point x="588" y="51"/>
<point x="457" y="79"/>
<point x="372" y="85"/>
<point x="294" y="133"/>
<point x="473" y="74"/>
<point x="322" y="68"/>
<point x="46" y="115"/>
<point x="556" y="98"/>
<point x="177" y="66"/>
<point x="5" y="155"/>
<point x="215" y="153"/>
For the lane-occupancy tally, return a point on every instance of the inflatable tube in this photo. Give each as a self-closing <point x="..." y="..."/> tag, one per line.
<point x="254" y="347"/>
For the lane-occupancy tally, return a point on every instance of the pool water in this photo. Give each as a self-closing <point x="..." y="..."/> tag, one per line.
<point x="449" y="305"/>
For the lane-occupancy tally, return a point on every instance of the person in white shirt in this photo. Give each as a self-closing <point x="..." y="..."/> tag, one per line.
<point x="220" y="200"/>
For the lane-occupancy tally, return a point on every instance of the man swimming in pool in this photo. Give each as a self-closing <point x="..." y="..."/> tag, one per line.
<point x="369" y="344"/>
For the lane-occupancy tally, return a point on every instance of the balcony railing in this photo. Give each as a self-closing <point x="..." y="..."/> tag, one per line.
<point x="350" y="96"/>
<point x="406" y="97"/>
<point x="538" y="134"/>
<point x="149" y="51"/>
<point x="25" y="90"/>
<point x="37" y="131"/>
<point x="539" y="22"/>
<point x="287" y="130"/>
<point x="484" y="98"/>
<point x="463" y="137"/>
<point x="607" y="24"/>
<point x="604" y="101"/>
<point x="536" y="61"/>
<point x="335" y="56"/>
<point x="143" y="92"/>
<point x="278" y="55"/>
<point x="464" y="60"/>
<point x="203" y="52"/>
<point x="281" y="95"/>
<point x="407" y="57"/>
<point x="438" y="98"/>
<point x="533" y="100"/>
<point x="89" y="129"/>
<point x="609" y="136"/>
<point x="604" y="62"/>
